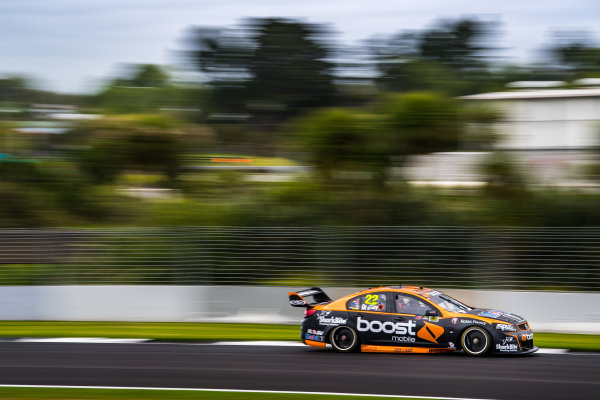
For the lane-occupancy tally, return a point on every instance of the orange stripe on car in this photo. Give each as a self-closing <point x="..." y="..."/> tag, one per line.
<point x="393" y="349"/>
<point x="315" y="344"/>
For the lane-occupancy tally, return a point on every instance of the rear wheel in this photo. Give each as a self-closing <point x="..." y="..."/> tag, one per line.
<point x="476" y="341"/>
<point x="344" y="339"/>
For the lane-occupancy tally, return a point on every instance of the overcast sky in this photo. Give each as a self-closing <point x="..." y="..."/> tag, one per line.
<point x="72" y="45"/>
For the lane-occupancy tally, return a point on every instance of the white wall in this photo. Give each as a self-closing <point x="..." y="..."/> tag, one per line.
<point x="549" y="167"/>
<point x="544" y="123"/>
<point x="546" y="311"/>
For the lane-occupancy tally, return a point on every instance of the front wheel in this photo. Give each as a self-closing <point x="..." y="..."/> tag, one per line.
<point x="344" y="339"/>
<point x="476" y="341"/>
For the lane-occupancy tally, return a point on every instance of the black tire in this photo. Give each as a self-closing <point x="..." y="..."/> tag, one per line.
<point x="344" y="339"/>
<point x="476" y="341"/>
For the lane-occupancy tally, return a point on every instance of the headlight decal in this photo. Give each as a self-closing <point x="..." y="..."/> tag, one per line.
<point x="505" y="327"/>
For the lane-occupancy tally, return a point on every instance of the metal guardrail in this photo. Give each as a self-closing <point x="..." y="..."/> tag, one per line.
<point x="452" y="257"/>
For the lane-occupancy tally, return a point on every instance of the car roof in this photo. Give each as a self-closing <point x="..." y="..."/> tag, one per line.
<point x="416" y="290"/>
<point x="404" y="289"/>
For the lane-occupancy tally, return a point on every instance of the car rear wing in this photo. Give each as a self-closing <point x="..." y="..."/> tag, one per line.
<point x="308" y="297"/>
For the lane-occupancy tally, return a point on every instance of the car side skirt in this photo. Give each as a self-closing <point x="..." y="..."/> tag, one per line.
<point x="393" y="349"/>
<point x="315" y="343"/>
<point x="516" y="353"/>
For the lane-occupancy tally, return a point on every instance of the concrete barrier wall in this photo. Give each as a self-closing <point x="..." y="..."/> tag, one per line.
<point x="546" y="311"/>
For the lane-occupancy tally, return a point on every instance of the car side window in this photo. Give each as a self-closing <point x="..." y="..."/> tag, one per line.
<point x="410" y="305"/>
<point x="369" y="302"/>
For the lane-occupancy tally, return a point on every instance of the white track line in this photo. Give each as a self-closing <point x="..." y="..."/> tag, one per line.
<point x="238" y="391"/>
<point x="259" y="343"/>
<point x="80" y="340"/>
<point x="552" y="351"/>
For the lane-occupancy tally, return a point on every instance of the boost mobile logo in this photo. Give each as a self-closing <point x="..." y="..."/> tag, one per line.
<point x="430" y="332"/>
<point x="400" y="328"/>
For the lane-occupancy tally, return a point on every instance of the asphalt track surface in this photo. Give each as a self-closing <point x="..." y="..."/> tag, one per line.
<point x="538" y="376"/>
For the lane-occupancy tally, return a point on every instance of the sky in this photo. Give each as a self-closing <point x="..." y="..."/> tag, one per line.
<point x="73" y="46"/>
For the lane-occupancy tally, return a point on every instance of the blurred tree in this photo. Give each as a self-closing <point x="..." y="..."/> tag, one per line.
<point x="576" y="51"/>
<point x="223" y="55"/>
<point x="415" y="75"/>
<point x="272" y="69"/>
<point x="141" y="75"/>
<point x="38" y="194"/>
<point x="290" y="67"/>
<point x="400" y="125"/>
<point x="339" y="139"/>
<point x="149" y="75"/>
<point x="140" y="143"/>
<point x="504" y="178"/>
<point x="21" y="92"/>
<point x="144" y="88"/>
<point x="449" y="57"/>
<point x="14" y="88"/>
<point x="129" y="100"/>
<point x="459" y="45"/>
<point x="421" y="122"/>
<point x="479" y="130"/>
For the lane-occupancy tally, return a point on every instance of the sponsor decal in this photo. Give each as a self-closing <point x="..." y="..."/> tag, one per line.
<point x="471" y="321"/>
<point x="527" y="336"/>
<point x="418" y="317"/>
<point x="325" y="318"/>
<point x="297" y="302"/>
<point x="507" y="347"/>
<point x="434" y="319"/>
<point x="507" y="340"/>
<point x="309" y="292"/>
<point x="399" y="328"/>
<point x="500" y="314"/>
<point x="403" y="350"/>
<point x="437" y="350"/>
<point x="454" y="321"/>
<point x="371" y="307"/>
<point x="451" y="344"/>
<point x="490" y="314"/>
<point x="403" y="339"/>
<point x="430" y="332"/>
<point x="506" y="328"/>
<point x="513" y="317"/>
<point x="316" y="338"/>
<point x="314" y="332"/>
<point x="355" y="304"/>
<point x="431" y="293"/>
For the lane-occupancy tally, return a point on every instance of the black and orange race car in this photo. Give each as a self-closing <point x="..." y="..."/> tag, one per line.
<point x="408" y="319"/>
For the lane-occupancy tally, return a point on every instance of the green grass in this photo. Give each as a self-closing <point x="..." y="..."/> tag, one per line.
<point x="150" y="330"/>
<point x="212" y="332"/>
<point x="567" y="341"/>
<point x="11" y="393"/>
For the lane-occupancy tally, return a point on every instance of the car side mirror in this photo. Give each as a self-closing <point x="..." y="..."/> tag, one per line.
<point x="430" y="313"/>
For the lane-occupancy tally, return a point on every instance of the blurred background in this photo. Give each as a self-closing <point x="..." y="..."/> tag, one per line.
<point x="215" y="144"/>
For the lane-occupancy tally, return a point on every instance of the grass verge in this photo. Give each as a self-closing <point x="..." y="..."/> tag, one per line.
<point x="13" y="393"/>
<point x="568" y="341"/>
<point x="150" y="330"/>
<point x="211" y="332"/>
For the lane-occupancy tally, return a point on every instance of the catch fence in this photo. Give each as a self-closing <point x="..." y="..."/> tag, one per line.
<point x="564" y="259"/>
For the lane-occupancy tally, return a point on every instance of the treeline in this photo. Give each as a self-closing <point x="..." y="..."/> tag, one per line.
<point x="284" y="88"/>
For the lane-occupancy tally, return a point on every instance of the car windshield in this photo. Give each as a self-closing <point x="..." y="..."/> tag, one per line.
<point x="449" y="304"/>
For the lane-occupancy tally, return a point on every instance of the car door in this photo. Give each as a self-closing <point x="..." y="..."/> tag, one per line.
<point x="372" y="316"/>
<point x="423" y="319"/>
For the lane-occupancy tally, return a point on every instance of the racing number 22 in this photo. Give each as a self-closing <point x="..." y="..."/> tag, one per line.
<point x="372" y="299"/>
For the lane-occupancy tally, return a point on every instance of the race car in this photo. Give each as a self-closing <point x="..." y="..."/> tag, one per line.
<point x="408" y="319"/>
